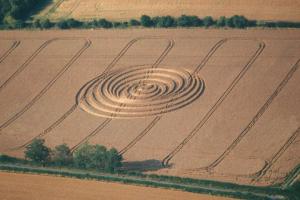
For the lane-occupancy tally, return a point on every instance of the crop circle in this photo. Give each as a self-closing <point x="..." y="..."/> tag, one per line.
<point x="139" y="92"/>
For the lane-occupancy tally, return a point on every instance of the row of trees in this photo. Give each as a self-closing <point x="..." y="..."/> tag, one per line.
<point x="85" y="157"/>
<point x="235" y="21"/>
<point x="146" y="21"/>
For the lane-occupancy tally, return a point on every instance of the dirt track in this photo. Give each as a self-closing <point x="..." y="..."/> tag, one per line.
<point x="212" y="104"/>
<point x="24" y="186"/>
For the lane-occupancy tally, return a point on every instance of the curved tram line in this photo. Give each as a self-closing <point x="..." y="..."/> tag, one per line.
<point x="158" y="118"/>
<point x="26" y="63"/>
<point x="14" y="45"/>
<point x="167" y="159"/>
<point x="49" y="85"/>
<point x="73" y="108"/>
<point x="107" y="121"/>
<point x="254" y="119"/>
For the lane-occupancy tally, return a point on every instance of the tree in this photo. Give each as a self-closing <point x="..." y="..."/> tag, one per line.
<point x="146" y="21"/>
<point x="62" y="155"/>
<point x="189" y="21"/>
<point x="221" y="21"/>
<point x="114" y="160"/>
<point x="45" y="24"/>
<point x="165" y="21"/>
<point x="134" y="22"/>
<point x="36" y="23"/>
<point x="37" y="152"/>
<point x="62" y="24"/>
<point x="72" y="23"/>
<point x="104" y="23"/>
<point x="97" y="157"/>
<point x="83" y="156"/>
<point x="208" y="21"/>
<point x="239" y="21"/>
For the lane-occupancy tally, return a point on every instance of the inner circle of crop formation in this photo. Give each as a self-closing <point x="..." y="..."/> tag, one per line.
<point x="139" y="92"/>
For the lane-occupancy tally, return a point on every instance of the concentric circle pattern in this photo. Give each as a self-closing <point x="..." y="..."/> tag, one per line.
<point x="140" y="92"/>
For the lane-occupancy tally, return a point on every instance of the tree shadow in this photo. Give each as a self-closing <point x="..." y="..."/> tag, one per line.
<point x="142" y="166"/>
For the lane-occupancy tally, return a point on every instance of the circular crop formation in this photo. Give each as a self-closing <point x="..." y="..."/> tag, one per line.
<point x="139" y="92"/>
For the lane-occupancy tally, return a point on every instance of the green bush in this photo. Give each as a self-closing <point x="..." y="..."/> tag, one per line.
<point x="164" y="21"/>
<point x="37" y="152"/>
<point x="103" y="23"/>
<point x="208" y="21"/>
<point x="61" y="155"/>
<point x="189" y="21"/>
<point x="239" y="21"/>
<point x="62" y="24"/>
<point x="221" y="22"/>
<point x="18" y="9"/>
<point x="134" y="22"/>
<point x="146" y="21"/>
<point x="97" y="157"/>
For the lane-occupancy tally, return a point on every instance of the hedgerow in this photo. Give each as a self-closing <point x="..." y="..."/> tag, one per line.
<point x="236" y="21"/>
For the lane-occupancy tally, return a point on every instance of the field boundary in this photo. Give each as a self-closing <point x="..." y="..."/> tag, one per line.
<point x="189" y="185"/>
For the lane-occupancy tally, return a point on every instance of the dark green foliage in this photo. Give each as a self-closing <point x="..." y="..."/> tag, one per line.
<point x="208" y="21"/>
<point x="72" y="23"/>
<point x="113" y="160"/>
<point x="36" y="151"/>
<point x="134" y="22"/>
<point x="68" y="23"/>
<point x="164" y="21"/>
<point x="36" y="23"/>
<point x="62" y="24"/>
<point x="239" y="21"/>
<point x="8" y="159"/>
<point x="17" y="9"/>
<point x="97" y="157"/>
<point x="146" y="21"/>
<point x="295" y="191"/>
<point x="45" y="24"/>
<point x="103" y="23"/>
<point x="120" y="24"/>
<point x="62" y="156"/>
<point x="221" y="22"/>
<point x="189" y="21"/>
